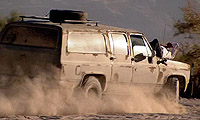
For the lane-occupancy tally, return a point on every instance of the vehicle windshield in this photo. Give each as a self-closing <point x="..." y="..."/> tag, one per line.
<point x="30" y="36"/>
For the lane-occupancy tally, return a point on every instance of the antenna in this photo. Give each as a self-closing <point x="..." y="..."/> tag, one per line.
<point x="164" y="34"/>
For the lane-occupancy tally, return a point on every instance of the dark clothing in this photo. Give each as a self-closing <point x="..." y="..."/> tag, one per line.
<point x="156" y="46"/>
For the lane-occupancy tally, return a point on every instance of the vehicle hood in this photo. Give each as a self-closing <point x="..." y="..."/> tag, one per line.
<point x="178" y="65"/>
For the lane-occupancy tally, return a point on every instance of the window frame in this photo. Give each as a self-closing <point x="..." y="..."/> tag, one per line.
<point x="146" y="44"/>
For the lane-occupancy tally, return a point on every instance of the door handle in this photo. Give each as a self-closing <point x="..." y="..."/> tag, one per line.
<point x="112" y="58"/>
<point x="132" y="59"/>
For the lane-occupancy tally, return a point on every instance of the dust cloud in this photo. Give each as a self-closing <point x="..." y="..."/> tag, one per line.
<point x="30" y="85"/>
<point x="43" y="95"/>
<point x="136" y="100"/>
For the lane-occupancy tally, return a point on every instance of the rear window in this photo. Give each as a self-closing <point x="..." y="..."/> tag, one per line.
<point x="86" y="42"/>
<point x="31" y="36"/>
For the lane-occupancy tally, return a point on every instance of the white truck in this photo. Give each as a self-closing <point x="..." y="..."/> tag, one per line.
<point x="88" y="55"/>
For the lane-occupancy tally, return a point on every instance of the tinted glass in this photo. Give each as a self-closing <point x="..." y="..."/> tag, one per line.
<point x="138" y="45"/>
<point x="31" y="36"/>
<point x="137" y="40"/>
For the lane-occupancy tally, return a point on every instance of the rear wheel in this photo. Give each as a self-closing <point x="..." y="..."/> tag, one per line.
<point x="92" y="88"/>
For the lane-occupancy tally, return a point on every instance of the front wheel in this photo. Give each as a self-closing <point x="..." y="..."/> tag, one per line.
<point x="171" y="89"/>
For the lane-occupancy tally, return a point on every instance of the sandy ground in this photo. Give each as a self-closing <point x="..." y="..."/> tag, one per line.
<point x="192" y="113"/>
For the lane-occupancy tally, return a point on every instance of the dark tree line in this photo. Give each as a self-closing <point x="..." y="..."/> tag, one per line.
<point x="191" y="20"/>
<point x="190" y="27"/>
<point x="189" y="53"/>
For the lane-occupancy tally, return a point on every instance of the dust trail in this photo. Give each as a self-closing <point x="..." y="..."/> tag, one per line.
<point x="34" y="96"/>
<point x="43" y="95"/>
<point x="137" y="100"/>
<point x="31" y="86"/>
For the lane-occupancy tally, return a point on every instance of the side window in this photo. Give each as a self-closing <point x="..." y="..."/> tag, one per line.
<point x="136" y="40"/>
<point x="86" y="42"/>
<point x="139" y="45"/>
<point x="120" y="45"/>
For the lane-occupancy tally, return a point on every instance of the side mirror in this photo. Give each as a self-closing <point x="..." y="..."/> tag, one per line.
<point x="163" y="61"/>
<point x="139" y="57"/>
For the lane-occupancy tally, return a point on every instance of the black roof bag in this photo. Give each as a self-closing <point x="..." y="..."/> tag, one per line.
<point x="59" y="16"/>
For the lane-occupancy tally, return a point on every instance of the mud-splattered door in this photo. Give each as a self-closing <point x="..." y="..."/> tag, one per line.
<point x="145" y="72"/>
<point x="120" y="59"/>
<point x="84" y="54"/>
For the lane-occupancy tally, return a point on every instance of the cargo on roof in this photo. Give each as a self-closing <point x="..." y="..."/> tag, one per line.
<point x="58" y="16"/>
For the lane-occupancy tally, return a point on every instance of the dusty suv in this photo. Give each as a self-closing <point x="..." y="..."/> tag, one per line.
<point x="88" y="55"/>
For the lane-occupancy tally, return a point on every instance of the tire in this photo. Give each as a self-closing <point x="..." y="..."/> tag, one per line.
<point x="171" y="89"/>
<point x="92" y="88"/>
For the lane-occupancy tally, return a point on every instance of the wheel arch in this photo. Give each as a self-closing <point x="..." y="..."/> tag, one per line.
<point x="182" y="82"/>
<point x="101" y="78"/>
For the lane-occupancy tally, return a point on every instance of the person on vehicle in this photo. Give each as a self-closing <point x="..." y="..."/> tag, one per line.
<point x="169" y="50"/>
<point x="166" y="53"/>
<point x="156" y="47"/>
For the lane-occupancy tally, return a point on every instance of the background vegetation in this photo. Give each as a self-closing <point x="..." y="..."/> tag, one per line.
<point x="190" y="28"/>
<point x="189" y="52"/>
<point x="14" y="16"/>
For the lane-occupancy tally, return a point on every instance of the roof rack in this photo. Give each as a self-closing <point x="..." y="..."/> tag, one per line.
<point x="34" y="17"/>
<point x="81" y="21"/>
<point x="65" y="21"/>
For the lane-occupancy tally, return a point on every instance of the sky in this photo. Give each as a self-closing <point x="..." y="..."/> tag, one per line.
<point x="154" y="18"/>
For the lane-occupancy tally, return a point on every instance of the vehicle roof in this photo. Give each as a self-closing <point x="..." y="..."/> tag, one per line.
<point x="81" y="27"/>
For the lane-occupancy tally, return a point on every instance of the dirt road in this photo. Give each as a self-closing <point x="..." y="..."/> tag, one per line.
<point x="192" y="107"/>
